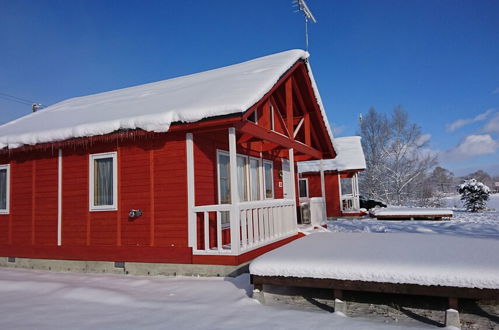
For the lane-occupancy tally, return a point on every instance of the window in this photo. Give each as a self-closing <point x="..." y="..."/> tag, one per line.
<point x="4" y="188"/>
<point x="242" y="177"/>
<point x="249" y="178"/>
<point x="223" y="178"/>
<point x="254" y="179"/>
<point x="346" y="186"/>
<point x="303" y="187"/>
<point x="103" y="182"/>
<point x="268" y="178"/>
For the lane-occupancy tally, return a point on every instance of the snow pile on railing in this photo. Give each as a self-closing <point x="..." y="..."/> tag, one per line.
<point x="154" y="107"/>
<point x="388" y="258"/>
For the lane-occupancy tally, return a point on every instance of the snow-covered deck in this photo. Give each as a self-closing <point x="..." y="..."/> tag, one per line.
<point x="408" y="259"/>
<point x="400" y="213"/>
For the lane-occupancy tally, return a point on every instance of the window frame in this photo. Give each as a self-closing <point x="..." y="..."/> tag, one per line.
<point x="6" y="210"/>
<point x="306" y="188"/>
<point x="91" y="180"/>
<point x="266" y="161"/>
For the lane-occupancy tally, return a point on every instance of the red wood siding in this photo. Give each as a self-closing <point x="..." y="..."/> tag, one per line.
<point x="151" y="177"/>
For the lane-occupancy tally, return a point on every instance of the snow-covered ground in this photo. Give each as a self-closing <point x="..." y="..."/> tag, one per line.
<point x="48" y="300"/>
<point x="483" y="224"/>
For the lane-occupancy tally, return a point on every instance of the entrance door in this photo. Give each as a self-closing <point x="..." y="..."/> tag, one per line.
<point x="286" y="179"/>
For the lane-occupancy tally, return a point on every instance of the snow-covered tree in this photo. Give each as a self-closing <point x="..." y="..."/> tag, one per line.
<point x="474" y="195"/>
<point x="397" y="165"/>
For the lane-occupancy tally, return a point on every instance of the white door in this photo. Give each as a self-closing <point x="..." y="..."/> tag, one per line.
<point x="286" y="179"/>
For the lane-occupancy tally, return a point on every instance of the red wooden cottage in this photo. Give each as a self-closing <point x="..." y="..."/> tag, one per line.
<point x="338" y="181"/>
<point x="144" y="174"/>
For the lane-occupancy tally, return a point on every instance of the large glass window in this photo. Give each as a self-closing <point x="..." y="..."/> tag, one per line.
<point x="4" y="188"/>
<point x="249" y="178"/>
<point x="269" y="178"/>
<point x="103" y="182"/>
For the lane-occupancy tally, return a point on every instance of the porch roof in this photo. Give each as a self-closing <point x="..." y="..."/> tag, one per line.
<point x="155" y="106"/>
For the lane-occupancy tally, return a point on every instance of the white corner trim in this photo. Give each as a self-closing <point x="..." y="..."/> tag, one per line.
<point x="191" y="218"/>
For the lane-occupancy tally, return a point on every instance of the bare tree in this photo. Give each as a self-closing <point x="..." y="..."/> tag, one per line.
<point x="443" y="180"/>
<point x="397" y="166"/>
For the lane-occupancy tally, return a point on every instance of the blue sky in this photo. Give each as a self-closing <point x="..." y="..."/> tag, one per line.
<point x="438" y="59"/>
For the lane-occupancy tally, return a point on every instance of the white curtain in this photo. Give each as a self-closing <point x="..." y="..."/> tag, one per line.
<point x="3" y="189"/>
<point x="269" y="180"/>
<point x="103" y="176"/>
<point x="224" y="178"/>
<point x="242" y="178"/>
<point x="255" y="179"/>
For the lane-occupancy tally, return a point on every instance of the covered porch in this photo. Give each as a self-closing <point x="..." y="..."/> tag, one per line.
<point x="248" y="215"/>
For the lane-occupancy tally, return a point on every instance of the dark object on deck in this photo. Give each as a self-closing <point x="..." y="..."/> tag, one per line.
<point x="369" y="203"/>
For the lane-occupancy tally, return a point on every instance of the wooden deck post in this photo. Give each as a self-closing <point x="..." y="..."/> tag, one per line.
<point x="234" y="193"/>
<point x="453" y="303"/>
<point x="338" y="294"/>
<point x="191" y="217"/>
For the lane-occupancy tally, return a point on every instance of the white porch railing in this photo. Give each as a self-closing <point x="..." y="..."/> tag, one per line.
<point x="236" y="229"/>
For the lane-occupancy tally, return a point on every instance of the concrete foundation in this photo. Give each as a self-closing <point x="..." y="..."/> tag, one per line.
<point x="452" y="318"/>
<point x="132" y="268"/>
<point x="259" y="295"/>
<point x="340" y="307"/>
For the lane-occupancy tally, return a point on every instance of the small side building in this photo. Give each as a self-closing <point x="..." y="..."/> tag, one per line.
<point x="336" y="179"/>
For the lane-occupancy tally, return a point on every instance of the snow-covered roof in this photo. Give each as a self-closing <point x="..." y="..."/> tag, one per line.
<point x="154" y="106"/>
<point x="350" y="156"/>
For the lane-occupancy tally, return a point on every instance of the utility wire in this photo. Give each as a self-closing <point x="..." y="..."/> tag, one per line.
<point x="13" y="98"/>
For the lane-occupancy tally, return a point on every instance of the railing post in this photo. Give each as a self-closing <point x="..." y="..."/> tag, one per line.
<point x="234" y="194"/>
<point x="191" y="216"/>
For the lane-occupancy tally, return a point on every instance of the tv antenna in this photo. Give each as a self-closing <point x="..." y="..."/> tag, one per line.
<point x="307" y="14"/>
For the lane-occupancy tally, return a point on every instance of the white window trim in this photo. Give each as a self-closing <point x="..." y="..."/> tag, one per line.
<point x="306" y="187"/>
<point x="266" y="161"/>
<point x="6" y="210"/>
<point x="91" y="158"/>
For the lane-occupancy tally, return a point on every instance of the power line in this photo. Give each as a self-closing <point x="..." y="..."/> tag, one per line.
<point x="15" y="98"/>
<point x="35" y="105"/>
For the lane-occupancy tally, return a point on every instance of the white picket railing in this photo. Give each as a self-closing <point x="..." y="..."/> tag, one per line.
<point x="248" y="225"/>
